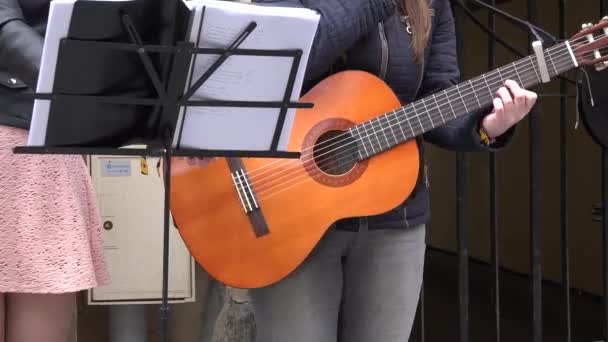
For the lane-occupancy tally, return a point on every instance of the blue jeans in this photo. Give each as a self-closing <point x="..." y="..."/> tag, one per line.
<point x="370" y="285"/>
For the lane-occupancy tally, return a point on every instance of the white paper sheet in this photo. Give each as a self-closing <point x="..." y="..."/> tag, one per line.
<point x="245" y="78"/>
<point x="58" y="25"/>
<point x="241" y="78"/>
<point x="59" y="15"/>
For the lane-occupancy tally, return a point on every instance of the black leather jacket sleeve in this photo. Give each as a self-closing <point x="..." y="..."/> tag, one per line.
<point x="9" y="10"/>
<point x="20" y="45"/>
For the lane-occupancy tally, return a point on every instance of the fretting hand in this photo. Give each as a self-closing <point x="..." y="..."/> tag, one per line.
<point x="509" y="108"/>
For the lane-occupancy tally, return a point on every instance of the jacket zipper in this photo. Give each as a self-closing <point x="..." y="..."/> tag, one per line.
<point x="363" y="222"/>
<point x="420" y="78"/>
<point x="384" y="43"/>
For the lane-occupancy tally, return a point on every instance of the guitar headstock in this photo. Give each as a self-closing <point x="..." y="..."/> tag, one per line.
<point x="589" y="45"/>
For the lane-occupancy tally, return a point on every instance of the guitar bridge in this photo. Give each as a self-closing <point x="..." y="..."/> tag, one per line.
<point x="249" y="202"/>
<point x="243" y="188"/>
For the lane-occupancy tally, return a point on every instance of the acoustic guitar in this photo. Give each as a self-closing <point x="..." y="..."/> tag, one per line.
<point x="250" y="222"/>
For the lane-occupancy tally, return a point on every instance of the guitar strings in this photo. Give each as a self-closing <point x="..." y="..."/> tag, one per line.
<point x="373" y="147"/>
<point x="268" y="187"/>
<point x="254" y="173"/>
<point x="337" y="163"/>
<point x="391" y="121"/>
<point x="514" y="64"/>
<point x="265" y="195"/>
<point x="262" y="192"/>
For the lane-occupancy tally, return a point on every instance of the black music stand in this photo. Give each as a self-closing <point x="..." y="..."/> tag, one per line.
<point x="170" y="97"/>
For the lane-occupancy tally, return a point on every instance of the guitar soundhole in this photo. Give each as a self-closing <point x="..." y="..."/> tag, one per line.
<point x="335" y="153"/>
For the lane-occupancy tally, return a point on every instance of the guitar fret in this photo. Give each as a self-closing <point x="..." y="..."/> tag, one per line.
<point x="369" y="135"/>
<point x="479" y="86"/>
<point x="417" y="116"/>
<point x="388" y="125"/>
<point x="469" y="94"/>
<point x="381" y="129"/>
<point x="488" y="86"/>
<point x="371" y="122"/>
<point x="518" y="76"/>
<point x="407" y="118"/>
<point x="438" y="109"/>
<point x="426" y="109"/>
<point x="449" y="101"/>
<point x="461" y="98"/>
<point x="379" y="132"/>
<point x="502" y="80"/>
<point x="475" y="93"/>
<point x="511" y="74"/>
<point x="534" y="68"/>
<point x="551" y="61"/>
<point x="362" y="142"/>
<point x="398" y="123"/>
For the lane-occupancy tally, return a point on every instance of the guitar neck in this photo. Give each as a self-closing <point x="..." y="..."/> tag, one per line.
<point x="390" y="129"/>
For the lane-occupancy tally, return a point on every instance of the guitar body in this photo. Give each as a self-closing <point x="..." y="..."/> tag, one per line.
<point x="297" y="200"/>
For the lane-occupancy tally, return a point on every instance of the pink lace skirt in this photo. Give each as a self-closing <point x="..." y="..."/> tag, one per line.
<point x="50" y="230"/>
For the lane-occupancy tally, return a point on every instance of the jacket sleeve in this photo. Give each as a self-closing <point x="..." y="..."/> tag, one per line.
<point x="9" y="10"/>
<point x="342" y="24"/>
<point x="441" y="72"/>
<point x="20" y="45"/>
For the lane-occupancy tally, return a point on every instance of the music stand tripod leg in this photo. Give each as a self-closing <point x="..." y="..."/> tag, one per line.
<point x="164" y="310"/>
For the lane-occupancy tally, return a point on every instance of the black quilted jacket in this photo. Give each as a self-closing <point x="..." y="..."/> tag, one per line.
<point x="369" y="35"/>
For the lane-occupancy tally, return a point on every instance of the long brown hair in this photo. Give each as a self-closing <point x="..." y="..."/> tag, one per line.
<point x="419" y="13"/>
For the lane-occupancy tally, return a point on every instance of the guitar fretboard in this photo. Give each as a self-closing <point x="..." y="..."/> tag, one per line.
<point x="390" y="129"/>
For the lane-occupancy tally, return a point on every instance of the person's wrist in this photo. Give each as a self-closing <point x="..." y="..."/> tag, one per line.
<point x="490" y="127"/>
<point x="487" y="138"/>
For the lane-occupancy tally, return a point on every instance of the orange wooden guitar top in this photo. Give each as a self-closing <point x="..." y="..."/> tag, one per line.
<point x="299" y="206"/>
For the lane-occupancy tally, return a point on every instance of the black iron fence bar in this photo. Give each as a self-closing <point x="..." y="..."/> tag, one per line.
<point x="535" y="202"/>
<point x="494" y="245"/>
<point x="463" y="251"/>
<point x="422" y="314"/>
<point x="604" y="218"/>
<point x="604" y="206"/>
<point x="565" y="241"/>
<point x="463" y="248"/>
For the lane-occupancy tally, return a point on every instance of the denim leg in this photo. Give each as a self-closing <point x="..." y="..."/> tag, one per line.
<point x="304" y="306"/>
<point x="382" y="285"/>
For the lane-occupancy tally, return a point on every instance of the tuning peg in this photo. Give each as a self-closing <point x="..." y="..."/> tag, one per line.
<point x="584" y="26"/>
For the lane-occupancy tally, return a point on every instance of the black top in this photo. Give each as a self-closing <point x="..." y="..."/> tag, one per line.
<point x="22" y="29"/>
<point x="35" y="13"/>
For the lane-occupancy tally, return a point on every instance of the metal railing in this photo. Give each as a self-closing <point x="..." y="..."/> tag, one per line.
<point x="599" y="212"/>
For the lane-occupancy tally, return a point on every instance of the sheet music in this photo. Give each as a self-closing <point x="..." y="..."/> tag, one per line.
<point x="245" y="78"/>
<point x="60" y="14"/>
<point x="242" y="78"/>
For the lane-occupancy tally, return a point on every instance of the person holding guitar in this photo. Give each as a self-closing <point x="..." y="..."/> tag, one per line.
<point x="359" y="287"/>
<point x="51" y="243"/>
